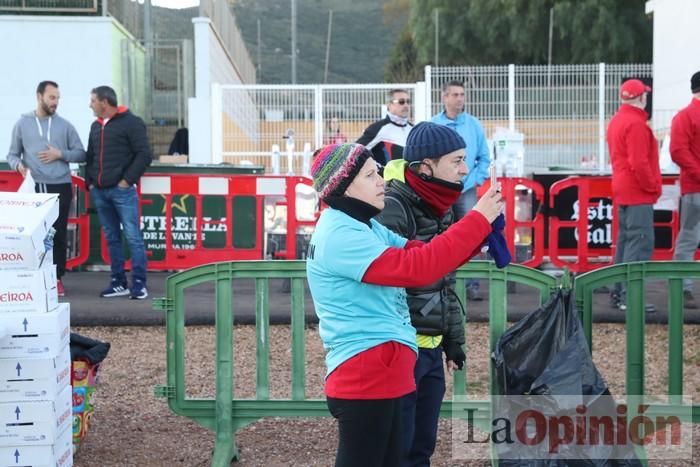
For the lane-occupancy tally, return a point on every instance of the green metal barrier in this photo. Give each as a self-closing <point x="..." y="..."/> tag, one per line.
<point x="635" y="275"/>
<point x="224" y="414"/>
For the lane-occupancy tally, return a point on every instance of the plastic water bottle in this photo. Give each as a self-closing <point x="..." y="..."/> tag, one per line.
<point x="48" y="240"/>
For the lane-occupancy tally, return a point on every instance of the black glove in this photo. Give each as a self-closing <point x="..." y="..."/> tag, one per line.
<point x="454" y="352"/>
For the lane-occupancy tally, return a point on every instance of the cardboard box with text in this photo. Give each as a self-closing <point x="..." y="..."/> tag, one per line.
<point x="34" y="378"/>
<point x="23" y="291"/>
<point x="35" y="334"/>
<point x="25" y="221"/>
<point x="35" y="422"/>
<point x="59" y="454"/>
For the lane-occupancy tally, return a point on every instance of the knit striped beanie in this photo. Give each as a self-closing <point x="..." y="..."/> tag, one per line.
<point x="335" y="167"/>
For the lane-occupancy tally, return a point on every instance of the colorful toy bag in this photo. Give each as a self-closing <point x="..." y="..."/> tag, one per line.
<point x="86" y="355"/>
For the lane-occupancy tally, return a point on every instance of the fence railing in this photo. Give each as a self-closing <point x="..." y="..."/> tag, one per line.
<point x="251" y="119"/>
<point x="57" y="6"/>
<point x="634" y="275"/>
<point x="563" y="110"/>
<point x="226" y="413"/>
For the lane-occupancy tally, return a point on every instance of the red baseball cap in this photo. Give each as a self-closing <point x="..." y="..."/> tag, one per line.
<point x="633" y="88"/>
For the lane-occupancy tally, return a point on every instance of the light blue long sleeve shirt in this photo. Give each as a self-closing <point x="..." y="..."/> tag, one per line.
<point x="477" y="159"/>
<point x="354" y="316"/>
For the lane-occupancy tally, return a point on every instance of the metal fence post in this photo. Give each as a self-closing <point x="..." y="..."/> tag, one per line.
<point x="217" y="122"/>
<point x="421" y="109"/>
<point x="318" y="117"/>
<point x="428" y="91"/>
<point x="601" y="117"/>
<point x="511" y="97"/>
<point x="188" y="76"/>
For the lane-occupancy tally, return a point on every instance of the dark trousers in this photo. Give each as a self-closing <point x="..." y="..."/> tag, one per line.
<point x="635" y="237"/>
<point x="689" y="233"/>
<point x="369" y="432"/>
<point x="421" y="409"/>
<point x="60" y="239"/>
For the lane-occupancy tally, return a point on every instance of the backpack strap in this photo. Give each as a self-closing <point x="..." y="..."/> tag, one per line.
<point x="407" y="214"/>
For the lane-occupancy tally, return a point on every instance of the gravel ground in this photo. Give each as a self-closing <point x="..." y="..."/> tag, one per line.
<point x="132" y="428"/>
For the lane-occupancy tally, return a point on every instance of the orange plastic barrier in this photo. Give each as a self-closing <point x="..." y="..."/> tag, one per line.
<point x="591" y="191"/>
<point x="294" y="224"/>
<point x="522" y="228"/>
<point x="189" y="219"/>
<point x="594" y="217"/>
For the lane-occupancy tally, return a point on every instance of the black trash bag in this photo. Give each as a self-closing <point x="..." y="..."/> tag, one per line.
<point x="546" y="354"/>
<point x="84" y="348"/>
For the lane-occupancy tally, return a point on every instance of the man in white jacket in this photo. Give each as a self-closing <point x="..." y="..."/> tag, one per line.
<point x="386" y="138"/>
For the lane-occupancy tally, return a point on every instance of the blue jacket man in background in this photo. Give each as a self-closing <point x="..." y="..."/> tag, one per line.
<point x="477" y="157"/>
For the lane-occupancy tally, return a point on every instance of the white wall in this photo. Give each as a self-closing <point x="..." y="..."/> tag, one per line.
<point x="73" y="51"/>
<point x="676" y="53"/>
<point x="211" y="65"/>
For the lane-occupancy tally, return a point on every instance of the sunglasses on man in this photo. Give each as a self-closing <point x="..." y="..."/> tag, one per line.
<point x="401" y="101"/>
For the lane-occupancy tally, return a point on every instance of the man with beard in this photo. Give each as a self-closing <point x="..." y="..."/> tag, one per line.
<point x="45" y="143"/>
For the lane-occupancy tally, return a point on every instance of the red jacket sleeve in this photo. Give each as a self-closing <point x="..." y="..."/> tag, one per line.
<point x="413" y="244"/>
<point x="418" y="265"/>
<point x="639" y="146"/>
<point x="680" y="147"/>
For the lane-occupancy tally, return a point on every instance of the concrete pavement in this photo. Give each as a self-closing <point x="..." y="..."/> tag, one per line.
<point x="88" y="309"/>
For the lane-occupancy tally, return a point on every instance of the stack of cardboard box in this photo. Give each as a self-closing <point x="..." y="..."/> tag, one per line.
<point x="35" y="362"/>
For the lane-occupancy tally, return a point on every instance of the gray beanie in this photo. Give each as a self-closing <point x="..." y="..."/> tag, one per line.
<point x="429" y="140"/>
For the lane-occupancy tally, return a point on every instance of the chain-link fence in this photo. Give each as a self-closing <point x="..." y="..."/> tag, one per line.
<point x="59" y="6"/>
<point x="562" y="110"/>
<point x="252" y="120"/>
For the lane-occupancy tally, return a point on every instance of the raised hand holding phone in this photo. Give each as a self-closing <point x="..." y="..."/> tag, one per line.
<point x="494" y="177"/>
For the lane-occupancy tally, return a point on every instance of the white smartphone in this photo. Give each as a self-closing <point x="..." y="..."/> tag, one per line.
<point x="494" y="177"/>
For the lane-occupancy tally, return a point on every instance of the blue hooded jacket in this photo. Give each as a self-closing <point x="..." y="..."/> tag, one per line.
<point x="477" y="158"/>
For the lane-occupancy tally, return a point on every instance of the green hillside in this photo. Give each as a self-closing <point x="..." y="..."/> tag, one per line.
<point x="174" y="24"/>
<point x="361" y="39"/>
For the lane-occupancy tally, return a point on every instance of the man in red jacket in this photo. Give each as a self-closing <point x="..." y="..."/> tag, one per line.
<point x="636" y="179"/>
<point x="685" y="151"/>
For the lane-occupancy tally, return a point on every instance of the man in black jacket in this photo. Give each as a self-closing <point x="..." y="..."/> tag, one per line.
<point x="385" y="138"/>
<point x="118" y="154"/>
<point x="421" y="191"/>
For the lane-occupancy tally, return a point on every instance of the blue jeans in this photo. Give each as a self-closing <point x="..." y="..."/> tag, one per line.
<point x="421" y="409"/>
<point x="117" y="206"/>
